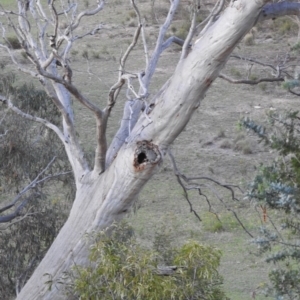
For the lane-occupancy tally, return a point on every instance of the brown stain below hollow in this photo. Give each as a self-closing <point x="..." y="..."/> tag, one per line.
<point x="146" y="153"/>
<point x="208" y="81"/>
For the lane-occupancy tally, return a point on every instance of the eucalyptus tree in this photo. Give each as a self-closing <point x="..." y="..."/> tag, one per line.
<point x="106" y="190"/>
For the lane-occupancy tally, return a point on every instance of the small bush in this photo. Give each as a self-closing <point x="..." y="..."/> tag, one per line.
<point x="225" y="144"/>
<point x="86" y="3"/>
<point x="173" y="29"/>
<point x="221" y="134"/>
<point x="96" y="55"/>
<point x="131" y="23"/>
<point x="13" y="42"/>
<point x="211" y="223"/>
<point x="284" y="25"/>
<point x="74" y="52"/>
<point x="85" y="54"/>
<point x="249" y="39"/>
<point x="296" y="47"/>
<point x="243" y="146"/>
<point x="262" y="86"/>
<point x="235" y="72"/>
<point x="104" y="50"/>
<point x="132" y="14"/>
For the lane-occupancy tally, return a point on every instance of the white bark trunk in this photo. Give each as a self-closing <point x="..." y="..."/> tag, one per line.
<point x="100" y="201"/>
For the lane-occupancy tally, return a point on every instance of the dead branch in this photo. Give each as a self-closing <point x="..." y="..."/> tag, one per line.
<point x="77" y="20"/>
<point x="142" y="31"/>
<point x="294" y="93"/>
<point x="191" y="185"/>
<point x="278" y="69"/>
<point x="279" y="9"/>
<point x="247" y="81"/>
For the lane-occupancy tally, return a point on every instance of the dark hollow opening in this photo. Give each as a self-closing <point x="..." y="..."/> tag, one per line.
<point x="141" y="158"/>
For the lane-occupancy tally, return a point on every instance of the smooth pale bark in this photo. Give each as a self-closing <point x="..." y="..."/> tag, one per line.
<point x="102" y="199"/>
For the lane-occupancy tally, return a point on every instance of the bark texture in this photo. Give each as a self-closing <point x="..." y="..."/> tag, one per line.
<point x="102" y="199"/>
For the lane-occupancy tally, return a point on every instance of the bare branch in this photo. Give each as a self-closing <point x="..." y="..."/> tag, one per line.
<point x="275" y="10"/>
<point x="16" y="213"/>
<point x="192" y="30"/>
<point x="159" y="43"/>
<point x="142" y="31"/>
<point x="170" y="40"/>
<point x="278" y="69"/>
<point x="85" y="13"/>
<point x="211" y="17"/>
<point x="19" y="219"/>
<point x="194" y="186"/>
<point x="251" y="82"/>
<point x="294" y="93"/>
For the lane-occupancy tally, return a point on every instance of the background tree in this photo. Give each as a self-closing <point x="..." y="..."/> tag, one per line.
<point x="276" y="191"/>
<point x="32" y="220"/>
<point x="105" y="192"/>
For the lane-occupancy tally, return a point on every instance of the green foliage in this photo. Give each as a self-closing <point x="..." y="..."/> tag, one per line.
<point x="121" y="269"/>
<point x="26" y="149"/>
<point x="290" y="84"/>
<point x="276" y="188"/>
<point x="284" y="25"/>
<point x="296" y="47"/>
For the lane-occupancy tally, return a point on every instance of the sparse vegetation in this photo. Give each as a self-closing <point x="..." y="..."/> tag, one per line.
<point x="96" y="55"/>
<point x="235" y="72"/>
<point x="211" y="222"/>
<point x="226" y="144"/>
<point x="284" y="25"/>
<point x="262" y="86"/>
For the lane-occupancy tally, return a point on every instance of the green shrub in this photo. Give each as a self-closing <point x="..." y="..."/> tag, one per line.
<point x="276" y="190"/>
<point x="122" y="269"/>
